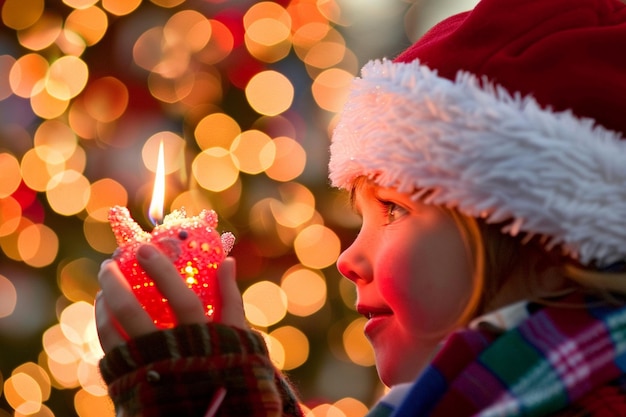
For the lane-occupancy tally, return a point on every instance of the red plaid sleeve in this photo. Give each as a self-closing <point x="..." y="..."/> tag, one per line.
<point x="178" y="372"/>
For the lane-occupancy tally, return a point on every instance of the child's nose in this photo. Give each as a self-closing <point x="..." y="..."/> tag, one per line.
<point x="353" y="263"/>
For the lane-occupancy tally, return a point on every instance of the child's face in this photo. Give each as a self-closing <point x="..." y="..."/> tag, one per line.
<point x="411" y="269"/>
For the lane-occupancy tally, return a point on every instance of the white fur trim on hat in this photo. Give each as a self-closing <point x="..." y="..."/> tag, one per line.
<point x="488" y="153"/>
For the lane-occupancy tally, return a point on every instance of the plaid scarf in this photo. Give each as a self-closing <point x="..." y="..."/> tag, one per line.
<point x="554" y="358"/>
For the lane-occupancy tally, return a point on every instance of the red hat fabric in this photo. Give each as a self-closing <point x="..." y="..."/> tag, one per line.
<point x="514" y="112"/>
<point x="567" y="54"/>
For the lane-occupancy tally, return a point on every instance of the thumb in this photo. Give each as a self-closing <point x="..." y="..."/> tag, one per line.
<point x="232" y="304"/>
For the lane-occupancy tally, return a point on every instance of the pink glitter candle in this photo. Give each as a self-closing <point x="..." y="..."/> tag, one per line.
<point x="192" y="243"/>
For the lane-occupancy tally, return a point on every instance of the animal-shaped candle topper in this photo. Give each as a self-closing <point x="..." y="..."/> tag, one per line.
<point x="192" y="243"/>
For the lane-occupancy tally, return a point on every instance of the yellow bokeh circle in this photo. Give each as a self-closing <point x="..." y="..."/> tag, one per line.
<point x="270" y="93"/>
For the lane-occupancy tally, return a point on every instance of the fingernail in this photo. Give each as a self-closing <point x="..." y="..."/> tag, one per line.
<point x="146" y="252"/>
<point x="105" y="262"/>
<point x="169" y="247"/>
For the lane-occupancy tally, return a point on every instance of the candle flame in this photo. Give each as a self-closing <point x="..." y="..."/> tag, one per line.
<point x="155" y="211"/>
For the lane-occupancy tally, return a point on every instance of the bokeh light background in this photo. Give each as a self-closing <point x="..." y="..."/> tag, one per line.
<point x="244" y="95"/>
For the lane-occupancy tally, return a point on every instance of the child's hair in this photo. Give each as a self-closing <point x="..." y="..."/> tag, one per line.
<point x="497" y="256"/>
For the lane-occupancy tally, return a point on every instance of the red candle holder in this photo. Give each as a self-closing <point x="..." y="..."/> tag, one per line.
<point x="192" y="243"/>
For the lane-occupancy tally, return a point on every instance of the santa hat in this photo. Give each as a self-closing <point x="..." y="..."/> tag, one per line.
<point x="514" y="112"/>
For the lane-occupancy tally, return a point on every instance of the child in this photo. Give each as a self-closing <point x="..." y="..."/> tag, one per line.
<point x="488" y="163"/>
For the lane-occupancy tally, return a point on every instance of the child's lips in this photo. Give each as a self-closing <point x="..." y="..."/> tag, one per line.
<point x="376" y="318"/>
<point x="371" y="312"/>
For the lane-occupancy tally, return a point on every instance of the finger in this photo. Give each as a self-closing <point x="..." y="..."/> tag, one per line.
<point x="232" y="304"/>
<point x="121" y="304"/>
<point x="184" y="303"/>
<point x="110" y="332"/>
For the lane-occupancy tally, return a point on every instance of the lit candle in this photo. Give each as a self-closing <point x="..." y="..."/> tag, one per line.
<point x="192" y="243"/>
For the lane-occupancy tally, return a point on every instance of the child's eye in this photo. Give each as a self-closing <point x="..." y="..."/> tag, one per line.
<point x="392" y="211"/>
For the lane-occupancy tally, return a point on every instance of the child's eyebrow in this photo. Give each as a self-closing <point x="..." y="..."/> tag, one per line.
<point x="354" y="205"/>
<point x="358" y="184"/>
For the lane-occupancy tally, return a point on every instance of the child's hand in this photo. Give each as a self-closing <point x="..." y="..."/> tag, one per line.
<point x="120" y="316"/>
